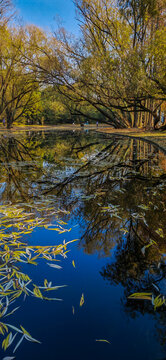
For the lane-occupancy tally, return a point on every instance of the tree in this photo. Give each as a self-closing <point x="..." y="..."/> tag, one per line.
<point x="120" y="42"/>
<point x="17" y="82"/>
<point x="117" y="67"/>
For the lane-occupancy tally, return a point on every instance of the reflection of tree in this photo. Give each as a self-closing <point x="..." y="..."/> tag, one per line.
<point x="118" y="197"/>
<point x="18" y="169"/>
<point x="122" y="174"/>
<point x="114" y="187"/>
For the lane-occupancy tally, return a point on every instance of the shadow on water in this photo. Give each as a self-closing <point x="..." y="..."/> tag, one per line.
<point x="114" y="189"/>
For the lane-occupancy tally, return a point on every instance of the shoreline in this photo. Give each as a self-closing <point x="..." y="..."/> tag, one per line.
<point x="102" y="128"/>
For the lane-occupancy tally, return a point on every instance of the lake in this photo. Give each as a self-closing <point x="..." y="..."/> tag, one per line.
<point x="82" y="221"/>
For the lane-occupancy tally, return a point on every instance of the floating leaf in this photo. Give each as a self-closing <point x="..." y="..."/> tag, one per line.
<point x="19" y="343"/>
<point x="24" y="331"/>
<point x="103" y="340"/>
<point x="73" y="263"/>
<point x="82" y="300"/>
<point x="158" y="301"/>
<point x="143" y="207"/>
<point x="160" y="232"/>
<point x="37" y="292"/>
<point x="12" y="312"/>
<point x="141" y="296"/>
<point x="55" y="266"/>
<point x="45" y="283"/>
<point x="6" y="342"/>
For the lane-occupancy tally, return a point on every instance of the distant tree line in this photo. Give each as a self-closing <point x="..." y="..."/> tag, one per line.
<point x="114" y="73"/>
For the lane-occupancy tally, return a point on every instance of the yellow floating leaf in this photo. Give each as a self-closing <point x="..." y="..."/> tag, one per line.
<point x="24" y="331"/>
<point x="6" y="341"/>
<point x="103" y="340"/>
<point x="82" y="300"/>
<point x="73" y="263"/>
<point x="37" y="292"/>
<point x="45" y="283"/>
<point x="141" y="296"/>
<point x="158" y="301"/>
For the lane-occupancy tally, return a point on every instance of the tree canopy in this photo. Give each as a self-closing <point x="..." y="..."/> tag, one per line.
<point x="115" y="71"/>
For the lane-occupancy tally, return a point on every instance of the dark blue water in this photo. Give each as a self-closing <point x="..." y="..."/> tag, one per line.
<point x="102" y="255"/>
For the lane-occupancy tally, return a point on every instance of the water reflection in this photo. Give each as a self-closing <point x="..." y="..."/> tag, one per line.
<point x="114" y="188"/>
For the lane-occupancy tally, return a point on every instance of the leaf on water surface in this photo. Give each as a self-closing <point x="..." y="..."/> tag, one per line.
<point x="160" y="232"/>
<point x="52" y="299"/>
<point x="6" y="342"/>
<point x="73" y="263"/>
<point x="28" y="336"/>
<point x="158" y="301"/>
<point x="54" y="266"/>
<point x="82" y="300"/>
<point x="141" y="296"/>
<point x="12" y="339"/>
<point x="125" y="231"/>
<point x="143" y="250"/>
<point x="54" y="287"/>
<point x="143" y="207"/>
<point x="19" y="280"/>
<point x="13" y="327"/>
<point x="117" y="216"/>
<point x="99" y="193"/>
<point x="19" y="343"/>
<point x="13" y="311"/>
<point x="37" y="292"/>
<point x="24" y="331"/>
<point x="152" y="242"/>
<point x="3" y="328"/>
<point x="103" y="340"/>
<point x="45" y="282"/>
<point x="104" y="208"/>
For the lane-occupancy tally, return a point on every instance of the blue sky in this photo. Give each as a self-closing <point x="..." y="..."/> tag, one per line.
<point x="43" y="13"/>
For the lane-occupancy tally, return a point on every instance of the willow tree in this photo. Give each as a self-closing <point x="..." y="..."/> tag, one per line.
<point x="147" y="22"/>
<point x="117" y="66"/>
<point x="17" y="81"/>
<point x="123" y="69"/>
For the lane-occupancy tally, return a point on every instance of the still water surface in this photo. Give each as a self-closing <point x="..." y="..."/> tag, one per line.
<point x="110" y="191"/>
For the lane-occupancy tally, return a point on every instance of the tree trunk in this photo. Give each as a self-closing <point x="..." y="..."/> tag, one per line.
<point x="9" y="119"/>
